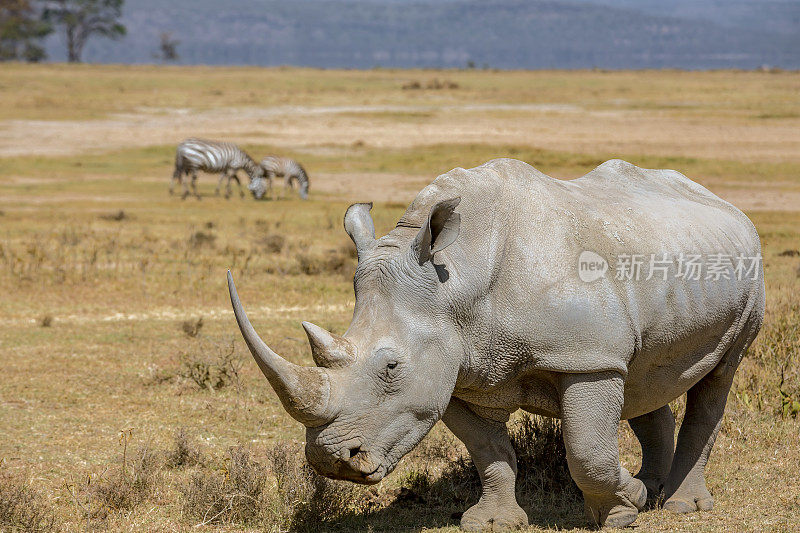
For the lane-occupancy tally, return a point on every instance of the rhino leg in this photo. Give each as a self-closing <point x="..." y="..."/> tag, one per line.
<point x="705" y="404"/>
<point x="656" y="434"/>
<point x="490" y="448"/>
<point x="591" y="405"/>
<point x="686" y="489"/>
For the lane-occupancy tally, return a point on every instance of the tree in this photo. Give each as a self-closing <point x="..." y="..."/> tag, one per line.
<point x="168" y="48"/>
<point x="21" y="29"/>
<point x="81" y="19"/>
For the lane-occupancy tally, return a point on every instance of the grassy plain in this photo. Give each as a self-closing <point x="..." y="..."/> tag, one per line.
<point x="104" y="277"/>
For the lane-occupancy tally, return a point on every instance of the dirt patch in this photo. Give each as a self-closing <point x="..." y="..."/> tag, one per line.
<point x="373" y="187"/>
<point x="566" y="128"/>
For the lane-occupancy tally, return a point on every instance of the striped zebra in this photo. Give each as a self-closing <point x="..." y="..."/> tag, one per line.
<point x="212" y="156"/>
<point x="293" y="174"/>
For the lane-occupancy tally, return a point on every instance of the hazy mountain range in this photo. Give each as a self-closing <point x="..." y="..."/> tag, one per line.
<point x="692" y="34"/>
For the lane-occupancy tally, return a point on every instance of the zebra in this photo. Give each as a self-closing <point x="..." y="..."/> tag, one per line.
<point x="291" y="171"/>
<point x="212" y="156"/>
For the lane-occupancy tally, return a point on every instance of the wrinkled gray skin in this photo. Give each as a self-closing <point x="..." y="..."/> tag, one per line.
<point x="472" y="308"/>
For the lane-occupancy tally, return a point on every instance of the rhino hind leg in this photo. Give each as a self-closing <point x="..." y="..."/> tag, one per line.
<point x="490" y="448"/>
<point x="686" y="489"/>
<point x="705" y="403"/>
<point x="656" y="434"/>
<point x="591" y="408"/>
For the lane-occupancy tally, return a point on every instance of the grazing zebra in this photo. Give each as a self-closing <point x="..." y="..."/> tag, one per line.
<point x="212" y="156"/>
<point x="291" y="171"/>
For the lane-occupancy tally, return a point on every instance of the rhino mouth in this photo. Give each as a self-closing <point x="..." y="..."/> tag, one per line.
<point x="361" y="476"/>
<point x="375" y="476"/>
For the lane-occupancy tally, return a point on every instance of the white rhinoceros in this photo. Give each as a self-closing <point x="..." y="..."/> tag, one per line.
<point x="475" y="306"/>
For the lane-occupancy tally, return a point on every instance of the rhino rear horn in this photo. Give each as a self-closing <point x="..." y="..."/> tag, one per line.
<point x="439" y="231"/>
<point x="358" y="224"/>
<point x="327" y="349"/>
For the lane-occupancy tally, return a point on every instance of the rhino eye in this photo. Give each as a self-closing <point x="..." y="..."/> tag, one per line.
<point x="391" y="365"/>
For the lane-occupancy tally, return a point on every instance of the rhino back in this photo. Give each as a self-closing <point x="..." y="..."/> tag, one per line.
<point x="514" y="287"/>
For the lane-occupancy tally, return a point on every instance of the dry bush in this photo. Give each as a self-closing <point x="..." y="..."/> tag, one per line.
<point x="285" y="494"/>
<point x="433" y="85"/>
<point x="331" y="262"/>
<point x="184" y="451"/>
<point x="273" y="243"/>
<point x="305" y="498"/>
<point x="436" y="84"/>
<point x="46" y="321"/>
<point x="23" y="508"/>
<point x="541" y="465"/>
<point x="129" y="484"/>
<point x="215" y="366"/>
<point x="200" y="239"/>
<point x="120" y="487"/>
<point x="192" y="327"/>
<point x="119" y="216"/>
<point x="542" y="458"/>
<point x="235" y="495"/>
<point x="348" y="249"/>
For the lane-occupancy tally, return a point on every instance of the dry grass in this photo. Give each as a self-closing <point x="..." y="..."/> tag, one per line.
<point x="105" y="278"/>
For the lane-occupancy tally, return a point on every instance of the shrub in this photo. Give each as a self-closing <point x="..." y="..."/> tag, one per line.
<point x="542" y="458"/>
<point x="192" y="327"/>
<point x="332" y="262"/>
<point x="215" y="367"/>
<point x="23" y="508"/>
<point x="128" y="485"/>
<point x="235" y="495"/>
<point x="273" y="243"/>
<point x="201" y="239"/>
<point x="542" y="470"/>
<point x="184" y="452"/>
<point x="305" y="498"/>
<point x="119" y="216"/>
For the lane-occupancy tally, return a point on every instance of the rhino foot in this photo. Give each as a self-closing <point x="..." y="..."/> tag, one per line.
<point x="655" y="490"/>
<point x="486" y="517"/>
<point x="618" y="511"/>
<point x="688" y="503"/>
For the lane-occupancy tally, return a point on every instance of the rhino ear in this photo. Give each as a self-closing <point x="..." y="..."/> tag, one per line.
<point x="358" y="224"/>
<point x="439" y="231"/>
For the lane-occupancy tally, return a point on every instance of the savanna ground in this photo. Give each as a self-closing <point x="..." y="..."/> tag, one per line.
<point x="128" y="400"/>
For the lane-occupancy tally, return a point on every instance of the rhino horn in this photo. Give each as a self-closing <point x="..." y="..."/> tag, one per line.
<point x="303" y="391"/>
<point x="329" y="350"/>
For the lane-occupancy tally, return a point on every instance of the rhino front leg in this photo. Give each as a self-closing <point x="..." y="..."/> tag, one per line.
<point x="490" y="448"/>
<point x="590" y="409"/>
<point x="656" y="434"/>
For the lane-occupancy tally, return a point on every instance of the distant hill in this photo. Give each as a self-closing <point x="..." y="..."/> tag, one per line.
<point x="692" y="34"/>
<point x="769" y="16"/>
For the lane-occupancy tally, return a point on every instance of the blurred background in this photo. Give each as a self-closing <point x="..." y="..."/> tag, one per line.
<point x="128" y="401"/>
<point x="507" y="34"/>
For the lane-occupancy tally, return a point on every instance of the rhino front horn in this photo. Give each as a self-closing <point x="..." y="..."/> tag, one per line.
<point x="303" y="391"/>
<point x="327" y="349"/>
